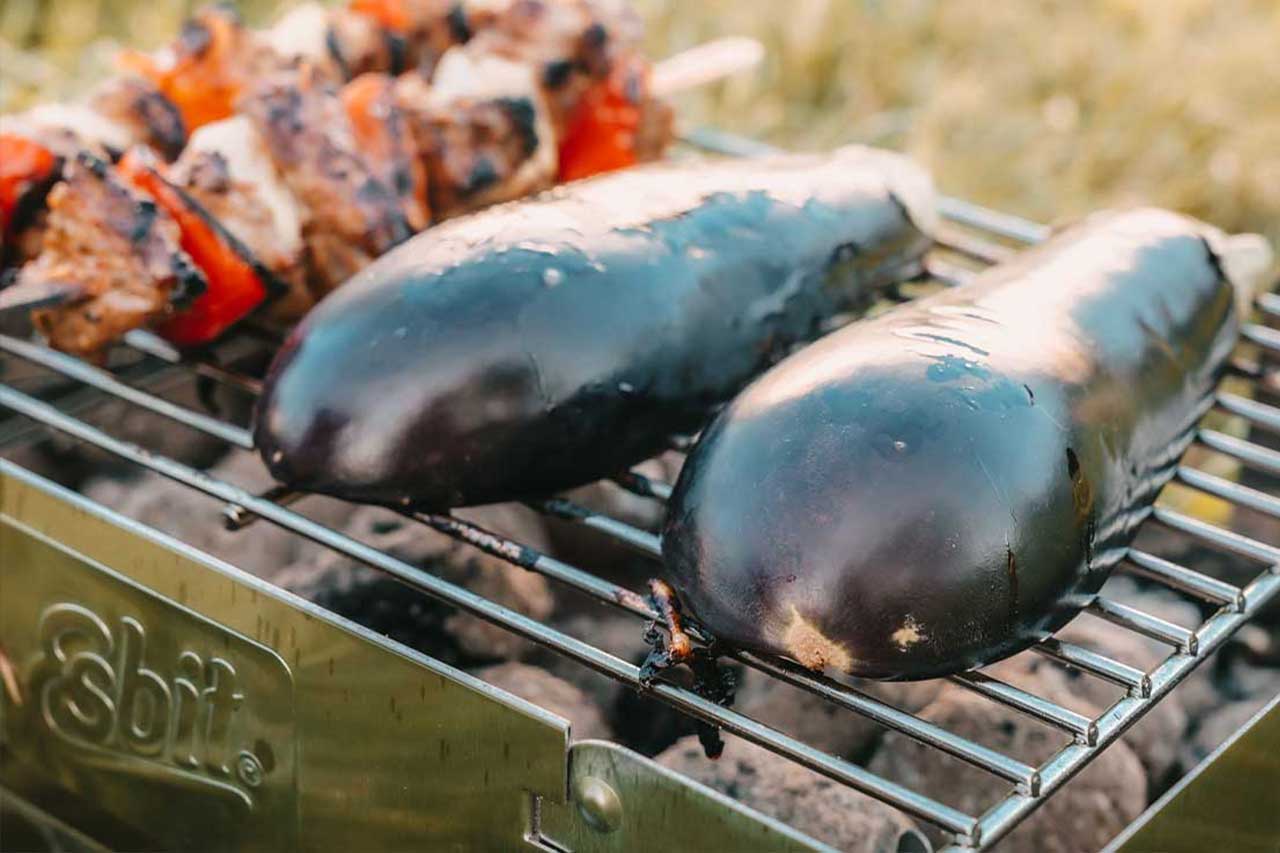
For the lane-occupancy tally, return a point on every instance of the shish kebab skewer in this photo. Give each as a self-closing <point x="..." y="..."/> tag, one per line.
<point x="260" y="235"/>
<point x="575" y="47"/>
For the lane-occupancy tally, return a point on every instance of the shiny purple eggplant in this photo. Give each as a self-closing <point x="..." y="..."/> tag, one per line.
<point x="939" y="487"/>
<point x="544" y="344"/>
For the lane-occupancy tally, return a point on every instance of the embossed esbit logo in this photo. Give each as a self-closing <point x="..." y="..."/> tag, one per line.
<point x="104" y="697"/>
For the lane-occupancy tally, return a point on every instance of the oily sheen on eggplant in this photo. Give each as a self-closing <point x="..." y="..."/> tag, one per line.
<point x="544" y="344"/>
<point x="943" y="485"/>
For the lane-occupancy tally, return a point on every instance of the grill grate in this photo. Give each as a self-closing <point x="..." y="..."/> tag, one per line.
<point x="974" y="237"/>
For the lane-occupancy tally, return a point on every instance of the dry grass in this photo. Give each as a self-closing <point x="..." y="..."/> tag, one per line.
<point x="1045" y="107"/>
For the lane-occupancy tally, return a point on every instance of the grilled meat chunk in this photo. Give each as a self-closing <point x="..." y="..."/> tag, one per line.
<point x="116" y="251"/>
<point x="425" y="28"/>
<point x="151" y="118"/>
<point x="382" y="133"/>
<point x="571" y="43"/>
<point x="350" y="216"/>
<point x="482" y="130"/>
<point x="229" y="172"/>
<point x="359" y="45"/>
<point x="66" y="129"/>
<point x="214" y="60"/>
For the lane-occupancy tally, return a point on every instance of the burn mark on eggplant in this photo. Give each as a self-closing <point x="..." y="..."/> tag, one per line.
<point x="1031" y="395"/>
<point x="812" y="648"/>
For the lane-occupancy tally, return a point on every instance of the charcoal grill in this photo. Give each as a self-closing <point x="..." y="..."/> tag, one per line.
<point x="499" y="770"/>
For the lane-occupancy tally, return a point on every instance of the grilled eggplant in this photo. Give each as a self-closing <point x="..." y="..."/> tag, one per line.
<point x="541" y="345"/>
<point x="945" y="484"/>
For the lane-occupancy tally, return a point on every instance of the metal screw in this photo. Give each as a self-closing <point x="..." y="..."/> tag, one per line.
<point x="598" y="803"/>
<point x="249" y="769"/>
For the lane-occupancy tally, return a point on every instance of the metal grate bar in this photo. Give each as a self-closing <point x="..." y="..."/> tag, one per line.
<point x="1258" y="414"/>
<point x="1269" y="302"/>
<point x="1263" y="336"/>
<point x="638" y="540"/>
<point x="947" y="273"/>
<point x="1054" y="773"/>
<point x="149" y="344"/>
<point x="236" y="517"/>
<point x="887" y="715"/>
<point x="586" y="654"/>
<point x="1228" y="491"/>
<point x="74" y="368"/>
<point x="1181" y="578"/>
<point x="1096" y="664"/>
<point x="842" y="695"/>
<point x="1030" y="704"/>
<point x="1227" y="540"/>
<point x="971" y="246"/>
<point x="1253" y="455"/>
<point x="535" y="561"/>
<point x="1144" y="623"/>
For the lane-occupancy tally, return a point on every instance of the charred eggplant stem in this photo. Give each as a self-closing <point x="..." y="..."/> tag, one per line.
<point x="672" y="646"/>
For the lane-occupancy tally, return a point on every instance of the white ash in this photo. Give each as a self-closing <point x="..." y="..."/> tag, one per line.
<point x="1083" y="815"/>
<point x="830" y="812"/>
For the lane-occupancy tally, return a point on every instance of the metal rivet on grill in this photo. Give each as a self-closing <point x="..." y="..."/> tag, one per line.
<point x="598" y="803"/>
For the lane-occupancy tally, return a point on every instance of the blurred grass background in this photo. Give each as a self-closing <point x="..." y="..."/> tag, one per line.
<point x="1047" y="108"/>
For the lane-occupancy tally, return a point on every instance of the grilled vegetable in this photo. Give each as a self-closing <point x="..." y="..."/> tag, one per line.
<point x="234" y="286"/>
<point x="538" y="346"/>
<point x="25" y="166"/>
<point x="942" y="486"/>
<point x="601" y="134"/>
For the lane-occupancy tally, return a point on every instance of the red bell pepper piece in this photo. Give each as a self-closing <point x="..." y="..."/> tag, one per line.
<point x="235" y="288"/>
<point x="601" y="135"/>
<point x="23" y="164"/>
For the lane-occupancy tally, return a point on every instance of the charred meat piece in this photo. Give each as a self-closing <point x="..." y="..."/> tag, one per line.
<point x="151" y="118"/>
<point x="114" y="253"/>
<point x="382" y="134"/>
<point x="215" y="58"/>
<point x="571" y="44"/>
<point x="359" y="45"/>
<point x="306" y="34"/>
<point x="425" y="28"/>
<point x="228" y="171"/>
<point x="350" y="216"/>
<point x="481" y="129"/>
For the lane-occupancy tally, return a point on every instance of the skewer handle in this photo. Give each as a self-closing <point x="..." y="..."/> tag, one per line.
<point x="707" y="63"/>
